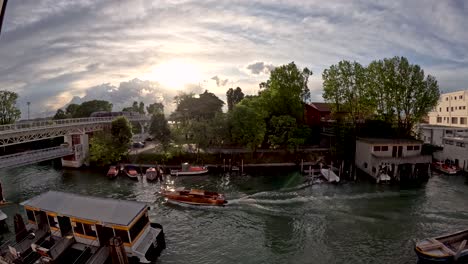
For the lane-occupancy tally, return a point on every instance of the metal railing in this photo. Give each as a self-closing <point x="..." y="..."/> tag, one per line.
<point x="32" y="125"/>
<point x="33" y="156"/>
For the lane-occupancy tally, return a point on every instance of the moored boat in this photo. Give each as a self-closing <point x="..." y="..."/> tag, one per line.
<point x="187" y="170"/>
<point x="194" y="196"/>
<point x="451" y="248"/>
<point x="112" y="172"/>
<point x="70" y="228"/>
<point x="329" y="175"/>
<point x="132" y="173"/>
<point x="445" y="168"/>
<point x="153" y="174"/>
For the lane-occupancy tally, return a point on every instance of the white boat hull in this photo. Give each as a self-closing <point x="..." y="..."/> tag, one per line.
<point x="188" y="173"/>
<point x="329" y="175"/>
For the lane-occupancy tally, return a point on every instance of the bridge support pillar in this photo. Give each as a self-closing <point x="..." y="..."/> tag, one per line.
<point x="80" y="144"/>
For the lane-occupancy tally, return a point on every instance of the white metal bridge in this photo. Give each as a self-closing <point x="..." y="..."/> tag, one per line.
<point x="37" y="130"/>
<point x="23" y="132"/>
<point x="34" y="156"/>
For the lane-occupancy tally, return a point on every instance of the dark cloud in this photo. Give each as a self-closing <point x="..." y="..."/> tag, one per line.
<point x="260" y="67"/>
<point x="220" y="82"/>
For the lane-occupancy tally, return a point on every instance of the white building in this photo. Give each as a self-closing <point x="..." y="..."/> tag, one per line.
<point x="451" y="110"/>
<point x="434" y="134"/>
<point x="398" y="158"/>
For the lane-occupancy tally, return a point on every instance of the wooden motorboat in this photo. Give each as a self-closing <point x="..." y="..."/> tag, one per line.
<point x="450" y="248"/>
<point x="112" y="172"/>
<point x="445" y="168"/>
<point x="194" y="196"/>
<point x="132" y="173"/>
<point x="187" y="170"/>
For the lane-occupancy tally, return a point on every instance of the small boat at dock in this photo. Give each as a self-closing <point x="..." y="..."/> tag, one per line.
<point x="112" y="172"/>
<point x="445" y="168"/>
<point x="194" y="196"/>
<point x="188" y="170"/>
<point x="451" y="248"/>
<point x="329" y="175"/>
<point x="153" y="174"/>
<point x="132" y="173"/>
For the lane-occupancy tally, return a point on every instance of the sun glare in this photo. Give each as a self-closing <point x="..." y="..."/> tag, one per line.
<point x="174" y="74"/>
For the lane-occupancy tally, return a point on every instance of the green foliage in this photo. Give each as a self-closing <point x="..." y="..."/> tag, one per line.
<point x="345" y="86"/>
<point x="121" y="131"/>
<point x="9" y="113"/>
<point x="107" y="148"/>
<point x="60" y="114"/>
<point x="137" y="108"/>
<point x="247" y="126"/>
<point x="89" y="107"/>
<point x="392" y="90"/>
<point x="155" y="108"/>
<point x="234" y="97"/>
<point x="71" y="109"/>
<point x="285" y="91"/>
<point x="159" y="128"/>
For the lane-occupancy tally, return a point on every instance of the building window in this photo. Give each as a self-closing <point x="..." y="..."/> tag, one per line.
<point x="374" y="170"/>
<point x="439" y="119"/>
<point x="447" y="109"/>
<point x="448" y="142"/>
<point x="52" y="222"/>
<point x="451" y="108"/>
<point x="463" y="120"/>
<point x="440" y="109"/>
<point x="455" y="98"/>
<point x="416" y="148"/>
<point x="376" y="148"/>
<point x="446" y="99"/>
<point x="365" y="165"/>
<point x="454" y="120"/>
<point x="78" y="228"/>
<point x="384" y="148"/>
<point x="123" y="234"/>
<point x="30" y="215"/>
<point x="460" y="144"/>
<point x="461" y="97"/>
<point x="448" y="132"/>
<point x="409" y="147"/>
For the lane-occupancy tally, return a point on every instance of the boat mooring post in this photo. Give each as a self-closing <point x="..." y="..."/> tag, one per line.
<point x="224" y="164"/>
<point x="242" y="166"/>
<point x="302" y="165"/>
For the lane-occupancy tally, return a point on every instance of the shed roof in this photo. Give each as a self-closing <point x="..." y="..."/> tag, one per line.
<point x="390" y="141"/>
<point x="322" y="107"/>
<point x="105" y="210"/>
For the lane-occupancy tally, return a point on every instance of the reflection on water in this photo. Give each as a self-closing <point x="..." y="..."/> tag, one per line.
<point x="273" y="218"/>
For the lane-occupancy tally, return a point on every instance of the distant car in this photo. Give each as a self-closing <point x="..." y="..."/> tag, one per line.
<point x="138" y="145"/>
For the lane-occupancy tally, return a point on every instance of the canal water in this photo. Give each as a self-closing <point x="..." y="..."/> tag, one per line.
<point x="273" y="218"/>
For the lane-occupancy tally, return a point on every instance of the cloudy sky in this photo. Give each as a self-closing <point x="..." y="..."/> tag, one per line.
<point x="53" y="50"/>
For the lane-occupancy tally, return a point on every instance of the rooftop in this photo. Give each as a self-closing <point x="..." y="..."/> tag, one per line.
<point x="105" y="210"/>
<point x="322" y="107"/>
<point x="390" y="141"/>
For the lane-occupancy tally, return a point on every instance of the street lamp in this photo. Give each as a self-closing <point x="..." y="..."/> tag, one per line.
<point x="28" y="103"/>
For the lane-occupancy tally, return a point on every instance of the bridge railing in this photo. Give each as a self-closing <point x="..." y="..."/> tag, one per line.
<point x="33" y="152"/>
<point x="62" y="122"/>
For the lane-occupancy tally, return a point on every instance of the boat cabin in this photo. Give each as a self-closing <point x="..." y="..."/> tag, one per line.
<point x="92" y="220"/>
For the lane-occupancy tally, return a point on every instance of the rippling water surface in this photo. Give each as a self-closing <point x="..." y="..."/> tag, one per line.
<point x="274" y="218"/>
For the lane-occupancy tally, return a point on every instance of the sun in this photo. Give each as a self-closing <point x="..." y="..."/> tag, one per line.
<point x="174" y="74"/>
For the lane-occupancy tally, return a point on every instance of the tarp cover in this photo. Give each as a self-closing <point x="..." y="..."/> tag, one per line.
<point x="105" y="210"/>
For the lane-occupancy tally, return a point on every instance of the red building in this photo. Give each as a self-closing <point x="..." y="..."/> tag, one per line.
<point x="315" y="113"/>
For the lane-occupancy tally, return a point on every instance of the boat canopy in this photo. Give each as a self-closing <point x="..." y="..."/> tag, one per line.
<point x="197" y="192"/>
<point x="105" y="210"/>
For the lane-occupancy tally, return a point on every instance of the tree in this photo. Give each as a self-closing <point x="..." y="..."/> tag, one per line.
<point x="283" y="131"/>
<point x="71" y="109"/>
<point x="107" y="148"/>
<point x="155" y="108"/>
<point x="9" y="113"/>
<point x="121" y="131"/>
<point x="234" y="97"/>
<point x="345" y="86"/>
<point x="285" y="91"/>
<point x="206" y="106"/>
<point x="141" y="108"/>
<point x="89" y="107"/>
<point x="247" y="126"/>
<point x="60" y="114"/>
<point x="159" y="128"/>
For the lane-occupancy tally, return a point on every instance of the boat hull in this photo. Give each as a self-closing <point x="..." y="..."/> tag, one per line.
<point x="188" y="173"/>
<point x="194" y="201"/>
